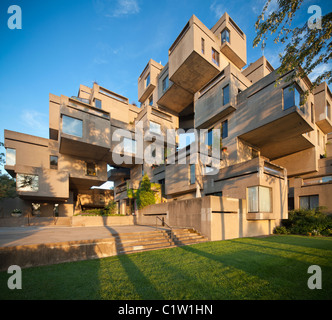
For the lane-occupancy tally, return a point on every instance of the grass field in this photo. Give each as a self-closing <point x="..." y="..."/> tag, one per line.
<point x="271" y="268"/>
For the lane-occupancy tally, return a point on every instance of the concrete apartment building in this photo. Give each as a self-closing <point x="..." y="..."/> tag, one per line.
<point x="275" y="151"/>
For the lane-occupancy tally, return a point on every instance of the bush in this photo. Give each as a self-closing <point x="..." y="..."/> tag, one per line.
<point x="280" y="230"/>
<point x="145" y="196"/>
<point x="111" y="208"/>
<point x="308" y="222"/>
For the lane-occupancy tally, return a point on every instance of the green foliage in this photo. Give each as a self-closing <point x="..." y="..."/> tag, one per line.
<point x="280" y="230"/>
<point x="308" y="222"/>
<point x="145" y="196"/>
<point x="306" y="49"/>
<point x="111" y="208"/>
<point x="7" y="187"/>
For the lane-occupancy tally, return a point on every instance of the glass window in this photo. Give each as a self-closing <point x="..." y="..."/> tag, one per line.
<point x="259" y="199"/>
<point x="309" y="202"/>
<point x="192" y="173"/>
<point x="91" y="169"/>
<point x="328" y="111"/>
<point x="147" y="80"/>
<point x="215" y="57"/>
<point x="151" y="101"/>
<point x="224" y="129"/>
<point x="292" y="96"/>
<point x="225" y="94"/>
<point x="203" y="46"/>
<point x="98" y="103"/>
<point x="129" y="146"/>
<point x="10" y="157"/>
<point x="72" y="126"/>
<point x="155" y="127"/>
<point x="53" y="162"/>
<point x="209" y="138"/>
<point x="165" y="84"/>
<point x="27" y="182"/>
<point x="225" y="36"/>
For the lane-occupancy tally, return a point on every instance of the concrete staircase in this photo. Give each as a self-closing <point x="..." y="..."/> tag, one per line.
<point x="153" y="240"/>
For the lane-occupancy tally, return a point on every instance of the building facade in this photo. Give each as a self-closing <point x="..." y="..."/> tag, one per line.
<point x="274" y="149"/>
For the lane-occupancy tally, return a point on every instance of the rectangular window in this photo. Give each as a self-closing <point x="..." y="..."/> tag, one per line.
<point x="215" y="57"/>
<point x="129" y="146"/>
<point x="147" y="80"/>
<point x="224" y="129"/>
<point x="53" y="162"/>
<point x="312" y="113"/>
<point x="91" y="169"/>
<point x="225" y="94"/>
<point x="72" y="126"/>
<point x="224" y="36"/>
<point x="259" y="199"/>
<point x="165" y="84"/>
<point x="309" y="202"/>
<point x="192" y="173"/>
<point x="151" y="101"/>
<point x="209" y="137"/>
<point x="98" y="103"/>
<point x="10" y="157"/>
<point x="293" y="96"/>
<point x="318" y="137"/>
<point x="203" y="46"/>
<point x="27" y="182"/>
<point x="155" y="127"/>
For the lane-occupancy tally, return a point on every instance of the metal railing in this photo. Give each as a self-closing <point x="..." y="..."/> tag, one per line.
<point x="164" y="223"/>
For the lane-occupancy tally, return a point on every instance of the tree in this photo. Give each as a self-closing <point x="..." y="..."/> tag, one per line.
<point x="308" y="46"/>
<point x="145" y="196"/>
<point x="7" y="187"/>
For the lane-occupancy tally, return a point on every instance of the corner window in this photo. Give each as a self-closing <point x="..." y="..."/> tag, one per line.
<point x="10" y="157"/>
<point x="309" y="202"/>
<point x="27" y="182"/>
<point x="53" y="162"/>
<point x="215" y="57"/>
<point x="91" y="169"/>
<point x="225" y="36"/>
<point x="98" y="103"/>
<point x="147" y="80"/>
<point x="192" y="169"/>
<point x="72" y="126"/>
<point x="293" y="96"/>
<point x="225" y="94"/>
<point x="259" y="199"/>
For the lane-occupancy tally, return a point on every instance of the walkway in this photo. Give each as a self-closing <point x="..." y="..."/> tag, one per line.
<point x="16" y="236"/>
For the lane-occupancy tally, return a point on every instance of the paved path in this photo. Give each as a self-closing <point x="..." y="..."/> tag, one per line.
<point x="17" y="236"/>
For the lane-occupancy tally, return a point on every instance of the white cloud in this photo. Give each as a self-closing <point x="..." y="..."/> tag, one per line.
<point x="218" y="9"/>
<point x="319" y="70"/>
<point x="35" y="122"/>
<point x="115" y="9"/>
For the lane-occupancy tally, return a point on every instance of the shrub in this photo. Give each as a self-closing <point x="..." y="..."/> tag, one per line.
<point x="308" y="222"/>
<point x="280" y="230"/>
<point x="111" y="208"/>
<point x="145" y="196"/>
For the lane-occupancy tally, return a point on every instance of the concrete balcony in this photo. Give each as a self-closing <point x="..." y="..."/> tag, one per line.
<point x="85" y="131"/>
<point x="118" y="174"/>
<point x="191" y="63"/>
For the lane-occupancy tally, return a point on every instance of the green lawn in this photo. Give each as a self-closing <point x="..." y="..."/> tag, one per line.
<point x="272" y="267"/>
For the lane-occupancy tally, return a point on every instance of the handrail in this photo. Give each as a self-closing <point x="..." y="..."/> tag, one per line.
<point x="163" y="221"/>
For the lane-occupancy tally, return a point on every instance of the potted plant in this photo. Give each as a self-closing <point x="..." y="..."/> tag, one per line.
<point x="16" y="213"/>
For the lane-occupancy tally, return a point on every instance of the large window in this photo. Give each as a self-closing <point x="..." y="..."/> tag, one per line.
<point x="192" y="172"/>
<point x="147" y="80"/>
<point x="72" y="126"/>
<point x="309" y="202"/>
<point x="10" y="157"/>
<point x="259" y="199"/>
<point x="129" y="146"/>
<point x="225" y="36"/>
<point x="215" y="57"/>
<point x="225" y="94"/>
<point x="155" y="127"/>
<point x="27" y="182"/>
<point x="293" y="96"/>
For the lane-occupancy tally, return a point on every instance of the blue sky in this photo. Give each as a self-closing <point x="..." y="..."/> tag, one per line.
<point x="65" y="43"/>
